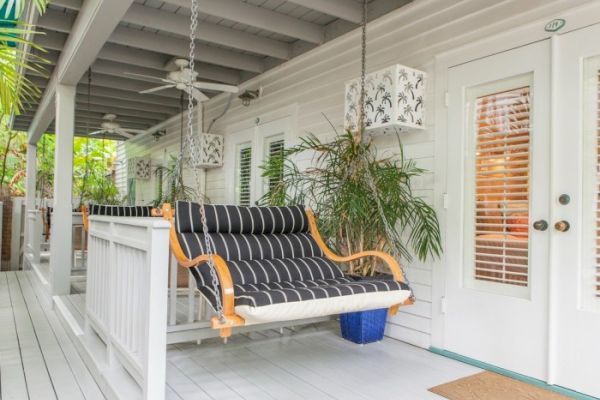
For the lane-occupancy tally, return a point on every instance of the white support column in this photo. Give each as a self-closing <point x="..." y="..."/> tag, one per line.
<point x="61" y="239"/>
<point x="30" y="193"/>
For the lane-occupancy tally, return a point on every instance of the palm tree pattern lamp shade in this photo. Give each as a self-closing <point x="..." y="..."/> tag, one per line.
<point x="210" y="150"/>
<point x="139" y="168"/>
<point x="394" y="100"/>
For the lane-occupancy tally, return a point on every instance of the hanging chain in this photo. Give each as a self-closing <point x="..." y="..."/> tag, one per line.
<point x="363" y="70"/>
<point x="194" y="155"/>
<point x="389" y="230"/>
<point x="87" y="135"/>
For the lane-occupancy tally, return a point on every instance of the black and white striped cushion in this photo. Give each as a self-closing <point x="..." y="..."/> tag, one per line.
<point x="270" y="253"/>
<point x="236" y="219"/>
<point x="120" y="211"/>
<point x="286" y="292"/>
<point x="278" y="271"/>
<point x="235" y="246"/>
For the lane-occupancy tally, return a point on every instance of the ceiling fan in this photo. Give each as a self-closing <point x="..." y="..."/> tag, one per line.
<point x="110" y="127"/>
<point x="179" y="79"/>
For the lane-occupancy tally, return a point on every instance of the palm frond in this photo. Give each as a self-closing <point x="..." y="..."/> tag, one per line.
<point x="363" y="202"/>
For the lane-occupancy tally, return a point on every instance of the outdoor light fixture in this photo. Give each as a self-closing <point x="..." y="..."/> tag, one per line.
<point x="248" y="96"/>
<point x="158" y="134"/>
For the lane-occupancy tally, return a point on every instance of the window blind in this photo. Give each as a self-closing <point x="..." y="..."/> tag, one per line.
<point x="244" y="177"/>
<point x="502" y="187"/>
<point x="276" y="151"/>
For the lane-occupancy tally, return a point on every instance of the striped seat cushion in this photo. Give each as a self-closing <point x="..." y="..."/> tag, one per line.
<point x="286" y="292"/>
<point x="268" y="271"/>
<point x="120" y="211"/>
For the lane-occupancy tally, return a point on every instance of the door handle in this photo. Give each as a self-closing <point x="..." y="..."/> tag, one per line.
<point x="562" y="226"/>
<point x="540" y="225"/>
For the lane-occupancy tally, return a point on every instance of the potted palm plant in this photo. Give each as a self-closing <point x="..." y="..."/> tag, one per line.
<point x="171" y="187"/>
<point x="363" y="203"/>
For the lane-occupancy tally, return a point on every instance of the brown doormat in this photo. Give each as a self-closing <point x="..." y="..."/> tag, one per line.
<point x="491" y="386"/>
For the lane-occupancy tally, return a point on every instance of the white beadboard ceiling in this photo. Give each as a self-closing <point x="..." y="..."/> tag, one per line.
<point x="237" y="40"/>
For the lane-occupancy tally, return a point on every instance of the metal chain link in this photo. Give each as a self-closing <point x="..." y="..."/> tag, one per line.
<point x="371" y="179"/>
<point x="363" y="69"/>
<point x="194" y="155"/>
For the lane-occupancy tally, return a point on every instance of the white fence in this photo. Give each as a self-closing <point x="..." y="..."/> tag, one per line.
<point x="126" y="296"/>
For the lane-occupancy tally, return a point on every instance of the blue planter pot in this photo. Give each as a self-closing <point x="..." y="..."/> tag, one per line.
<point x="364" y="326"/>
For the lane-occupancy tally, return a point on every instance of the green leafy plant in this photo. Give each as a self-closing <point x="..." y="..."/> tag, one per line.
<point x="173" y="187"/>
<point x="362" y="202"/>
<point x="16" y="56"/>
<point x="102" y="190"/>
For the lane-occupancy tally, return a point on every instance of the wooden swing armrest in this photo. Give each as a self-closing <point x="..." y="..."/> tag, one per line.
<point x="390" y="261"/>
<point x="223" y="274"/>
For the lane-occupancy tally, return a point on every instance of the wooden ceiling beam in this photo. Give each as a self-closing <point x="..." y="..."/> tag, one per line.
<point x="259" y="17"/>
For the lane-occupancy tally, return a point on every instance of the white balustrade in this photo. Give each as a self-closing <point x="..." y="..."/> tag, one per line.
<point x="34" y="236"/>
<point x="126" y="295"/>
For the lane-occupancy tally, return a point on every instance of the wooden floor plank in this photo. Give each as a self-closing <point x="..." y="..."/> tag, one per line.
<point x="235" y="378"/>
<point x="83" y="377"/>
<point x="12" y="376"/>
<point x="65" y="384"/>
<point x="185" y="388"/>
<point x="276" y="381"/>
<point x="39" y="384"/>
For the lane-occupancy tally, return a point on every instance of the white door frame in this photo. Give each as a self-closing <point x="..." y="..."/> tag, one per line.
<point x="522" y="35"/>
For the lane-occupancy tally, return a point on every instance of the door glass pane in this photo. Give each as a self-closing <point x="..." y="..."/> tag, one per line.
<point x="590" y="270"/>
<point x="498" y="225"/>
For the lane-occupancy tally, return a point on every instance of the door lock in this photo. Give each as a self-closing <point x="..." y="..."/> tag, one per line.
<point x="562" y="226"/>
<point x="540" y="225"/>
<point x="564" y="199"/>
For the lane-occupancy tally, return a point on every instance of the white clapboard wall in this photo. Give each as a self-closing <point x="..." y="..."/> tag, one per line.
<point x="314" y="83"/>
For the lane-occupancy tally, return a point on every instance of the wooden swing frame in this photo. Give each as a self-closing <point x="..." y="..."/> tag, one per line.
<point x="231" y="319"/>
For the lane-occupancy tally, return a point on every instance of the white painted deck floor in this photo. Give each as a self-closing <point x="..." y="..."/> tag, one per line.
<point x="39" y="361"/>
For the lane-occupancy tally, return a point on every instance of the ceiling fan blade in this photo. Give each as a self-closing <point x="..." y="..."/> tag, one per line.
<point x="124" y="133"/>
<point x="198" y="95"/>
<point x="145" y="77"/>
<point x="156" y="89"/>
<point x="216" y="86"/>
<point x="96" y="132"/>
<point x="133" y="131"/>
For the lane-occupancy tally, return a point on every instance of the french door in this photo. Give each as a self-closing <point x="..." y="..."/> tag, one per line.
<point x="576" y="248"/>
<point x="246" y="150"/>
<point x="498" y="180"/>
<point x="523" y="251"/>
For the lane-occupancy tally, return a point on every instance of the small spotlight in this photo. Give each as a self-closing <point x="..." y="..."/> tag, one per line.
<point x="158" y="134"/>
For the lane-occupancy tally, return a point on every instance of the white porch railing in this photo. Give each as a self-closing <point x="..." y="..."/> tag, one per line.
<point x="126" y="296"/>
<point x="34" y="236"/>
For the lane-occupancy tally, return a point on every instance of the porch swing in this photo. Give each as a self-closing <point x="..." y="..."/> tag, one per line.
<point x="260" y="265"/>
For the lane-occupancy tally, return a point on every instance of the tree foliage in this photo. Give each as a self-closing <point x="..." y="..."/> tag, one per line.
<point x="16" y="56"/>
<point x="93" y="163"/>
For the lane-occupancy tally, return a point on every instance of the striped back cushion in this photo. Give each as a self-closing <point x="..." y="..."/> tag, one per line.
<point x="120" y="211"/>
<point x="237" y="219"/>
<point x="260" y="244"/>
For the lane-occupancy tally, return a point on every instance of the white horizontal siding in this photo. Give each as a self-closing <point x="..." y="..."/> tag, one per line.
<point x="314" y="84"/>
